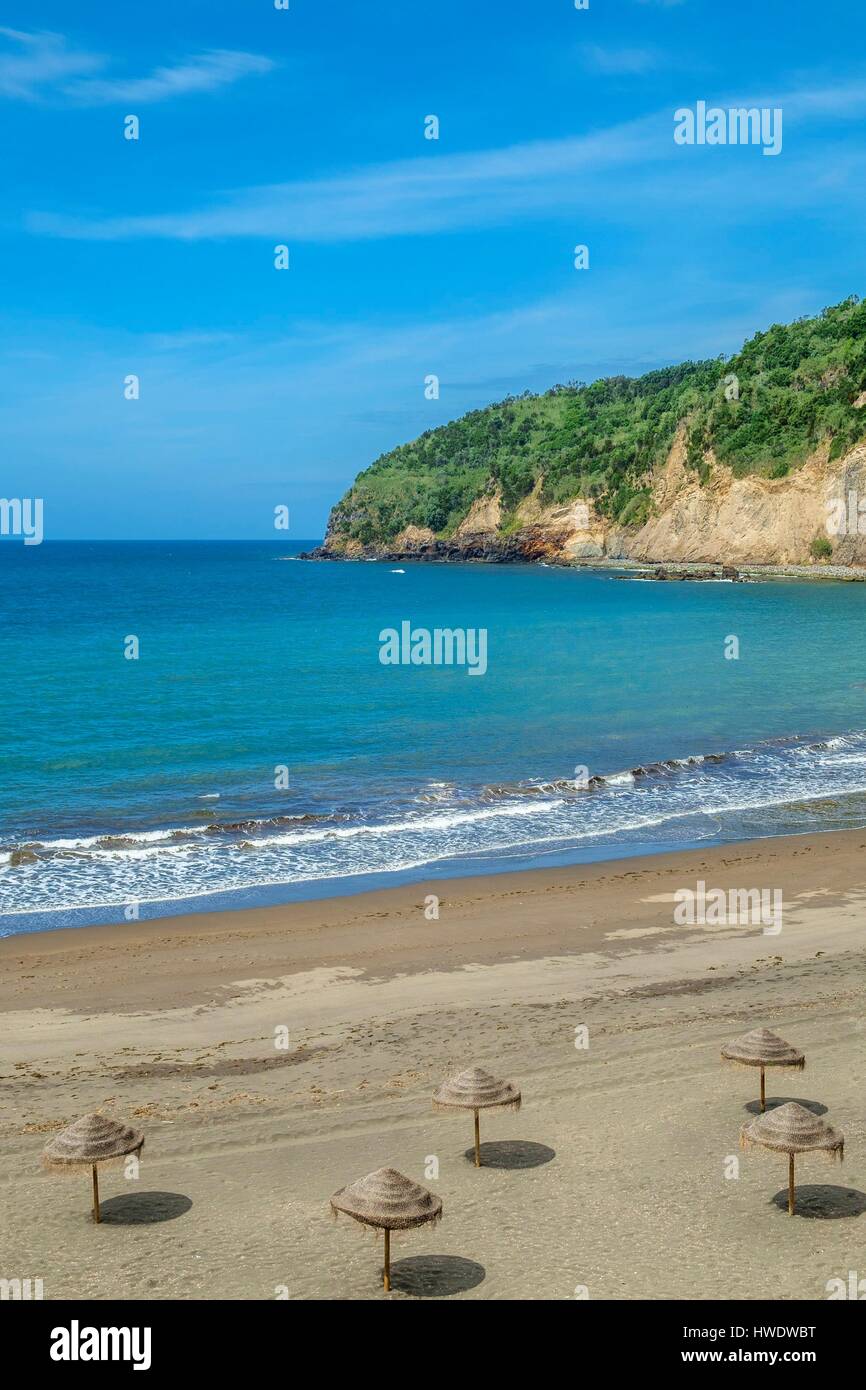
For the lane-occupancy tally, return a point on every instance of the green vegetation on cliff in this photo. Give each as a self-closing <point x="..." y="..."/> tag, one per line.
<point x="794" y="388"/>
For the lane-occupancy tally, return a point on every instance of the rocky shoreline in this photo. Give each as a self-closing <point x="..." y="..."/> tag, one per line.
<point x="525" y="547"/>
<point x="761" y="526"/>
<point x="523" y="550"/>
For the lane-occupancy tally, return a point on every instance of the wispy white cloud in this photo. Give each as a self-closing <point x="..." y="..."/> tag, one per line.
<point x="620" y="62"/>
<point x="32" y="64"/>
<point x="404" y="197"/>
<point x="182" y="341"/>
<point x="38" y="67"/>
<point x="613" y="172"/>
<point x="202" y="73"/>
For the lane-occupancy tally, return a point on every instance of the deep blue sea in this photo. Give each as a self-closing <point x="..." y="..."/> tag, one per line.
<point x="156" y="782"/>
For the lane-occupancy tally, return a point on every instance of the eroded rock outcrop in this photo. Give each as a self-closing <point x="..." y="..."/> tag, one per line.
<point x="725" y="520"/>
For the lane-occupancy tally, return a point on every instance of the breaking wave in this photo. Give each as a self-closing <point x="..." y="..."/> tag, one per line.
<point x="795" y="784"/>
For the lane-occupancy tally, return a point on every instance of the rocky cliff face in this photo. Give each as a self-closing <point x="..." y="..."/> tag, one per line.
<point x="751" y="520"/>
<point x="725" y="520"/>
<point x="758" y="459"/>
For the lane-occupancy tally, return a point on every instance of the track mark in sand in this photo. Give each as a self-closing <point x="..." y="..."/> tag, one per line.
<point x="628" y="933"/>
<point x="240" y="1066"/>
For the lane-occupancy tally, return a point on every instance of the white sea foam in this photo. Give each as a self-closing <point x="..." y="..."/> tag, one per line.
<point x="672" y="801"/>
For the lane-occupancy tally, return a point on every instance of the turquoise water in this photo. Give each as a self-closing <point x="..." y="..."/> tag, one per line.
<point x="152" y="781"/>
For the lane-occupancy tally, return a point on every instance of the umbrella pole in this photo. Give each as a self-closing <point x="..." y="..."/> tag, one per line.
<point x="790" y="1184"/>
<point x="477" y="1142"/>
<point x="387" y="1279"/>
<point x="96" y="1215"/>
<point x="763" y="1097"/>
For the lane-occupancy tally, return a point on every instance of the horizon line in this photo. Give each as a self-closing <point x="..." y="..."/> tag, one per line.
<point x="162" y="540"/>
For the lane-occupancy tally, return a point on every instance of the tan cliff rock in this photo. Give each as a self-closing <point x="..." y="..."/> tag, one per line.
<point x="414" y="536"/>
<point x="734" y="521"/>
<point x="483" y="518"/>
<point x="752" y="520"/>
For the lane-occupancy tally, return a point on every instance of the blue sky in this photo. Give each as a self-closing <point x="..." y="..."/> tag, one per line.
<point x="408" y="257"/>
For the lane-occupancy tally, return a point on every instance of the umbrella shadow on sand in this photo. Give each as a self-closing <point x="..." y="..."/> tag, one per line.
<point x="754" y="1106"/>
<point x="387" y="1201"/>
<point x="436" y="1276"/>
<point x="512" y="1153"/>
<point x="824" y="1201"/>
<point x="144" y="1208"/>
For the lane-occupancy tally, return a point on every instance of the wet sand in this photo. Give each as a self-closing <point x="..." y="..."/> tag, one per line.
<point x="612" y="1176"/>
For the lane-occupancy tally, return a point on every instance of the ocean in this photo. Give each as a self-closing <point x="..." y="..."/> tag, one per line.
<point x="257" y="749"/>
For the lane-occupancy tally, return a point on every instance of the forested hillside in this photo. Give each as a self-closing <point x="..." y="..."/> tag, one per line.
<point x="763" y="411"/>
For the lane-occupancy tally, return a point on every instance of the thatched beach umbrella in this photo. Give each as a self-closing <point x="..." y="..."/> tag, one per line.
<point x="761" y="1048"/>
<point x="475" y="1089"/>
<point x="89" y="1141"/>
<point x="792" y="1129"/>
<point x="389" y="1202"/>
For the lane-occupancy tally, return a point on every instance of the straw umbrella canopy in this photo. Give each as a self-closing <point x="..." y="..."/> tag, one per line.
<point x="89" y="1141"/>
<point x="475" y="1089"/>
<point x="792" y="1129"/>
<point x="387" y="1201"/>
<point x="761" y="1048"/>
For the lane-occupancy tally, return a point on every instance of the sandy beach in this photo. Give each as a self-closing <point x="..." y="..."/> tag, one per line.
<point x="611" y="1179"/>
